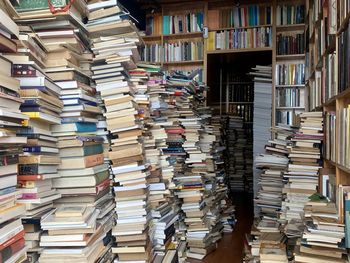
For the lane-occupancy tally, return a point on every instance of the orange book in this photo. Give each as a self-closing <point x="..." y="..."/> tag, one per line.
<point x="12" y="240"/>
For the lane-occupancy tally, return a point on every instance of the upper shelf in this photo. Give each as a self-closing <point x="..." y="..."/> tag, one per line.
<point x="291" y="27"/>
<point x="239" y="50"/>
<point x="243" y="27"/>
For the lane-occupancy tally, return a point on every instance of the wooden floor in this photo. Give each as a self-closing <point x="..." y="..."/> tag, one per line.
<point x="230" y="247"/>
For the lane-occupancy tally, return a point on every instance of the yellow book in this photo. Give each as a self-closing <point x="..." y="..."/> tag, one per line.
<point x="211" y="41"/>
<point x="42" y="117"/>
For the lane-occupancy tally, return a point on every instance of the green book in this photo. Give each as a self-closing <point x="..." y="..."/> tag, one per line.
<point x="34" y="5"/>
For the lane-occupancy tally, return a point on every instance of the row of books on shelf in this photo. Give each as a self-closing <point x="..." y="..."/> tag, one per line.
<point x="290" y="97"/>
<point x="240" y="38"/>
<point x="338" y="152"/>
<point x="175" y="24"/>
<point x="287" y="116"/>
<point x="240" y="16"/>
<point x="290" y="74"/>
<point x="173" y="52"/>
<point x="323" y="85"/>
<point x="289" y="14"/>
<point x="290" y="44"/>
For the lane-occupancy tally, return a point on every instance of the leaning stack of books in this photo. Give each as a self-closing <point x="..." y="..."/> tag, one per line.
<point x="40" y="160"/>
<point x="323" y="236"/>
<point x="303" y="169"/>
<point x="164" y="213"/>
<point x="262" y="76"/>
<point x="114" y="39"/>
<point x="12" y="242"/>
<point x="238" y="145"/>
<point x="269" y="197"/>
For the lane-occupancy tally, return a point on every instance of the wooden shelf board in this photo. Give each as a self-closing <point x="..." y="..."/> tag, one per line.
<point x="291" y="57"/>
<point x="291" y="86"/>
<point x="341" y="167"/>
<point x="343" y="94"/>
<point x="184" y="35"/>
<point x="290" y="108"/>
<point x="239" y="50"/>
<point x="183" y="62"/>
<point x="239" y="27"/>
<point x="290" y="27"/>
<point x="344" y="24"/>
<point x="151" y="37"/>
<point x="241" y="102"/>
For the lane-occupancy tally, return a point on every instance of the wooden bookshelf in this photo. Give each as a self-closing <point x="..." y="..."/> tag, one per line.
<point x="333" y="100"/>
<point x="162" y="38"/>
<point x="288" y="34"/>
<point x="239" y="50"/>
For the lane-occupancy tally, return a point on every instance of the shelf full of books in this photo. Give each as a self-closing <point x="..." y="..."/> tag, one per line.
<point x="323" y="65"/>
<point x="242" y="16"/>
<point x="173" y="51"/>
<point x="256" y="37"/>
<point x="328" y="84"/>
<point x="289" y="91"/>
<point x="177" y="23"/>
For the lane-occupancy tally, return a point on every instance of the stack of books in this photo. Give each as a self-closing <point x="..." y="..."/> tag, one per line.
<point x="12" y="242"/>
<point x="323" y="237"/>
<point x="39" y="162"/>
<point x="262" y="76"/>
<point x="239" y="154"/>
<point x="303" y="170"/>
<point x="114" y="47"/>
<point x="166" y="142"/>
<point x="268" y="243"/>
<point x="71" y="233"/>
<point x="269" y="197"/>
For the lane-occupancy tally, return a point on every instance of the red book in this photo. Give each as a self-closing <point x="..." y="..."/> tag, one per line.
<point x="9" y="251"/>
<point x="12" y="240"/>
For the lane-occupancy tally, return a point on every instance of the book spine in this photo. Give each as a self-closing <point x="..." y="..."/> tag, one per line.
<point x="30" y="196"/>
<point x="94" y="160"/>
<point x="28" y="169"/>
<point x="8" y="160"/>
<point x="33" y="177"/>
<point x="32" y="149"/>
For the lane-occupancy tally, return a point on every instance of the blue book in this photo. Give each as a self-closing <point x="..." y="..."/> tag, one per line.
<point x="347" y="222"/>
<point x="166" y="25"/>
<point x="7" y="190"/>
<point x="78" y="101"/>
<point x="76" y="127"/>
<point x="39" y="149"/>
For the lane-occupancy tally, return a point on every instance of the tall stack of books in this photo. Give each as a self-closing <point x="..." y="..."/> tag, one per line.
<point x="269" y="241"/>
<point x="273" y="164"/>
<point x="12" y="242"/>
<point x="239" y="154"/>
<point x="164" y="222"/>
<point x="303" y="169"/>
<point x="323" y="236"/>
<point x="262" y="113"/>
<point x="40" y="160"/>
<point x="114" y="39"/>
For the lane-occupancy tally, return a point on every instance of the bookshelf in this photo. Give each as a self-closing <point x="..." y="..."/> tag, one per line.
<point x="327" y="31"/>
<point x="271" y="26"/>
<point x="289" y="62"/>
<point x="174" y="36"/>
